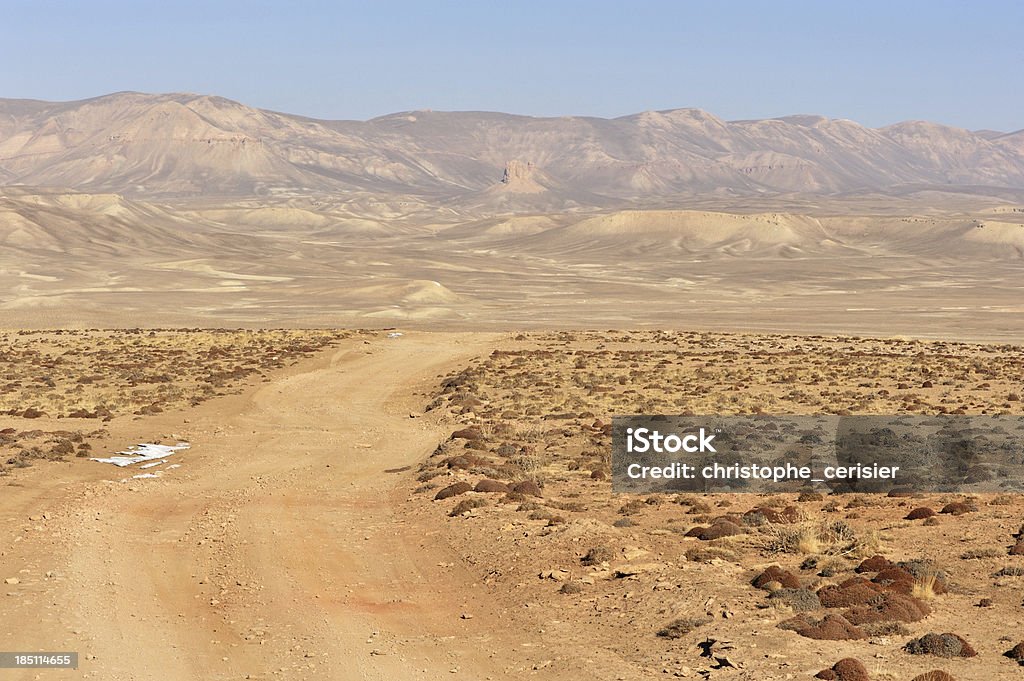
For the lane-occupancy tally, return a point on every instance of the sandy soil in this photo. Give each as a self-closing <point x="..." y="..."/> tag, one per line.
<point x="300" y="538"/>
<point x="279" y="549"/>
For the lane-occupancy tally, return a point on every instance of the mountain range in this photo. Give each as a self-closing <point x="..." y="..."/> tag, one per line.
<point x="183" y="145"/>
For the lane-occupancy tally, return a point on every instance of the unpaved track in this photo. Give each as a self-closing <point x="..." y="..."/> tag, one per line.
<point x="277" y="550"/>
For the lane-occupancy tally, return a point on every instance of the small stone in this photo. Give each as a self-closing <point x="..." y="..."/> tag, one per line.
<point x="12" y="581"/>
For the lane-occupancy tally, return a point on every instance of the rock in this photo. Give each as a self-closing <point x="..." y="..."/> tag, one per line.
<point x="558" y="575"/>
<point x="1016" y="653"/>
<point x="634" y="552"/>
<point x="12" y="581"/>
<point x="516" y="171"/>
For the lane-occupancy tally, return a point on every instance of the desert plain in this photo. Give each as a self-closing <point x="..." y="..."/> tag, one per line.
<point x="394" y="349"/>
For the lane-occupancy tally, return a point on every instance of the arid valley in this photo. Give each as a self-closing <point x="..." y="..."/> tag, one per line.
<point x="394" y="348"/>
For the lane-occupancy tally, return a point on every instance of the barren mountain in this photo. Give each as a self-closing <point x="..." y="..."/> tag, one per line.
<point x="189" y="145"/>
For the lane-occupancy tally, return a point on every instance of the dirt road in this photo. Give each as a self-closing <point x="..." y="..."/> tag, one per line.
<point x="277" y="550"/>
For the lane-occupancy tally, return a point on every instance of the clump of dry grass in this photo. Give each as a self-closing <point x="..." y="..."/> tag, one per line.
<point x="924" y="585"/>
<point x="811" y="537"/>
<point x="681" y="627"/>
<point x="979" y="554"/>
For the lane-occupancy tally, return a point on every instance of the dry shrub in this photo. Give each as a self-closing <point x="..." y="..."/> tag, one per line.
<point x="571" y="588"/>
<point x="709" y="553"/>
<point x="718" y="529"/>
<point x="832" y="627"/>
<point x="467" y="505"/>
<point x="958" y="508"/>
<point x="682" y="626"/>
<point x="852" y="592"/>
<point x="927" y="586"/>
<point x="811" y="537"/>
<point x="596" y="556"/>
<point x="1010" y="571"/>
<point x="934" y="675"/>
<point x="774" y="573"/>
<point x="800" y="600"/>
<point x="886" y="629"/>
<point x="889" y="607"/>
<point x="847" y="669"/>
<point x="453" y="490"/>
<point x="491" y="486"/>
<point x="940" y="645"/>
<point x="875" y="563"/>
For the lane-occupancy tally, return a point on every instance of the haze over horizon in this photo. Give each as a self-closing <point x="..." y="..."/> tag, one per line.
<point x="874" y="63"/>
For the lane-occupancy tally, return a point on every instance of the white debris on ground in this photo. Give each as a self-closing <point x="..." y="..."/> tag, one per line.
<point x="395" y="334"/>
<point x="143" y="452"/>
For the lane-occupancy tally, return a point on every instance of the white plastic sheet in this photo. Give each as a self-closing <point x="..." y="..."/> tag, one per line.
<point x="143" y="452"/>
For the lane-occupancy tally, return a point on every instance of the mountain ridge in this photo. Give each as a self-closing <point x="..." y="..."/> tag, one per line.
<point x="184" y="144"/>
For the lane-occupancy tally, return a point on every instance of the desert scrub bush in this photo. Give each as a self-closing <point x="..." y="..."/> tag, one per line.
<point x="706" y="553"/>
<point x="681" y="627"/>
<point x="1010" y="571"/>
<point x="978" y="554"/>
<point x="631" y="507"/>
<point x="810" y="537"/>
<point x="925" y="585"/>
<point x="596" y="556"/>
<point x="467" y="504"/>
<point x="886" y="629"/>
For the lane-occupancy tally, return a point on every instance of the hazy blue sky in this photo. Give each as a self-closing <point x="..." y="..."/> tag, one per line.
<point x="960" y="63"/>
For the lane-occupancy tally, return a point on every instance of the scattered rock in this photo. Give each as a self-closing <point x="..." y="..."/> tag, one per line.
<point x="1016" y="653"/>
<point x="558" y="575"/>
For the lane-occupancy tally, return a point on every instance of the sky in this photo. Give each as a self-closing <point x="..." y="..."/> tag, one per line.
<point x="958" y="63"/>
